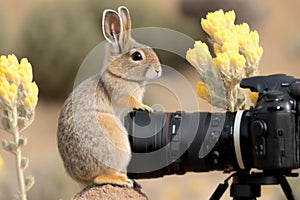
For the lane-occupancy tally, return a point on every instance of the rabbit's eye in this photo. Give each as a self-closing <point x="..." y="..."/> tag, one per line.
<point x="136" y="56"/>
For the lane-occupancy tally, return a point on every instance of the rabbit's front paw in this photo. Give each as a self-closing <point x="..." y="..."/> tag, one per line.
<point x="144" y="107"/>
<point x="137" y="105"/>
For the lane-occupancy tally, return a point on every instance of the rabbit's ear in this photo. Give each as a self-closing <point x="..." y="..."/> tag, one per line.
<point x="126" y="25"/>
<point x="125" y="17"/>
<point x="111" y="26"/>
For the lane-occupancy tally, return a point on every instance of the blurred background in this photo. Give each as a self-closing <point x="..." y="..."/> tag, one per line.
<point x="56" y="36"/>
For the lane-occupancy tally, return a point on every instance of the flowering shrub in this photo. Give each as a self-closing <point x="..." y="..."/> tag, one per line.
<point x="18" y="99"/>
<point x="236" y="54"/>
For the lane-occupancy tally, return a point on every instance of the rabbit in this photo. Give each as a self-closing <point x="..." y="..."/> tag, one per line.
<point x="92" y="142"/>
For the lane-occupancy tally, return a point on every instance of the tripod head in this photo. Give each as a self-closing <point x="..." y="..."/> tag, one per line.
<point x="247" y="186"/>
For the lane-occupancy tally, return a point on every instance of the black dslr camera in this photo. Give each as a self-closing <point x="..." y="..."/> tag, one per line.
<point x="265" y="137"/>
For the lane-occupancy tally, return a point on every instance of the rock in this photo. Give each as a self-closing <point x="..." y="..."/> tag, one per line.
<point x="110" y="192"/>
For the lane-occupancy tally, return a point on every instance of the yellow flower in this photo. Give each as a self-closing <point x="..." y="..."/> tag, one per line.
<point x="230" y="18"/>
<point x="237" y="60"/>
<point x="199" y="57"/>
<point x="226" y="35"/>
<point x="1" y="162"/>
<point x="254" y="37"/>
<point x="237" y="54"/>
<point x="203" y="91"/>
<point x="8" y="91"/>
<point x="199" y="52"/>
<point x="16" y="86"/>
<point x="217" y="21"/>
<point x="253" y="96"/>
<point x="229" y="60"/>
<point x="11" y="71"/>
<point x="12" y="60"/>
<point x="253" y="55"/>
<point x="32" y="92"/>
<point x="25" y="70"/>
<point x="217" y="48"/>
<point x="230" y="46"/>
<point x="12" y="91"/>
<point x="222" y="61"/>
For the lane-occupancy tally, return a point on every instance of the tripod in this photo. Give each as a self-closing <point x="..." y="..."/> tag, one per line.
<point x="247" y="186"/>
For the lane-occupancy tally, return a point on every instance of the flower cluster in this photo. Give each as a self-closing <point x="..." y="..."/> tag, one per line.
<point x="17" y="90"/>
<point x="18" y="99"/>
<point x="236" y="56"/>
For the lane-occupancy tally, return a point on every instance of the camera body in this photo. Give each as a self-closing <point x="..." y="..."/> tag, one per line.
<point x="266" y="137"/>
<point x="274" y="124"/>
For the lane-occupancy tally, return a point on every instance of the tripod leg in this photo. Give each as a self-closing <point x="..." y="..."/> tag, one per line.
<point x="286" y="188"/>
<point x="219" y="191"/>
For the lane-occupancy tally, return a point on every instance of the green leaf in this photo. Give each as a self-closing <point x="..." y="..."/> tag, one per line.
<point x="21" y="122"/>
<point x="22" y="141"/>
<point x="5" y="144"/>
<point x="29" y="181"/>
<point x="9" y="146"/>
<point x="5" y="123"/>
<point x="24" y="163"/>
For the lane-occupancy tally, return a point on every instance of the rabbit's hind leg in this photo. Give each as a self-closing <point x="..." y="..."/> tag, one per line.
<point x="116" y="153"/>
<point x="114" y="178"/>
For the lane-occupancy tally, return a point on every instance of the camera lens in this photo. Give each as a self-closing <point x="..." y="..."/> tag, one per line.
<point x="169" y="143"/>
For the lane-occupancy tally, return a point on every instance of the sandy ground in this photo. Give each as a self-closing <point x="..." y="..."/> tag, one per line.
<point x="278" y="31"/>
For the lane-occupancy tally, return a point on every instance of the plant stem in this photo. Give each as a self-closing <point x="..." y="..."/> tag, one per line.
<point x="18" y="155"/>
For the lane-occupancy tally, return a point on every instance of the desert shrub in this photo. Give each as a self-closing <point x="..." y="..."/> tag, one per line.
<point x="56" y="38"/>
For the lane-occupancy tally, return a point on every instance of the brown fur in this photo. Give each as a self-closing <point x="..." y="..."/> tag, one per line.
<point x="92" y="142"/>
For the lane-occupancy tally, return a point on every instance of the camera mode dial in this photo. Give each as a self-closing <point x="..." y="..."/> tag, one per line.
<point x="258" y="127"/>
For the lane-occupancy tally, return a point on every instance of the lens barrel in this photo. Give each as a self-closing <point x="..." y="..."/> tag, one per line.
<point x="174" y="140"/>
